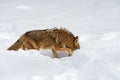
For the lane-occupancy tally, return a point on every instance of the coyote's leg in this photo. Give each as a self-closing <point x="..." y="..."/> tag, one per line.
<point x="54" y="53"/>
<point x="64" y="49"/>
<point x="70" y="52"/>
<point x="28" y="46"/>
<point x="33" y="44"/>
<point x="23" y="46"/>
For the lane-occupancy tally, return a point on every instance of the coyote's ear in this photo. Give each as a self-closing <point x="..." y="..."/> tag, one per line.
<point x="76" y="40"/>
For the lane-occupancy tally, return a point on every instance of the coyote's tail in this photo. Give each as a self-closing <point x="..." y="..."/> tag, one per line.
<point x="18" y="44"/>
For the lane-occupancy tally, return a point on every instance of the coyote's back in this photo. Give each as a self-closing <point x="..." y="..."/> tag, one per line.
<point x="55" y="39"/>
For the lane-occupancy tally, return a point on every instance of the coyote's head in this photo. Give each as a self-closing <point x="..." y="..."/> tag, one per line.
<point x="76" y="43"/>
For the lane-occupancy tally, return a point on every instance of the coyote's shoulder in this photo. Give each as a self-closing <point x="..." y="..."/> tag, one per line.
<point x="54" y="38"/>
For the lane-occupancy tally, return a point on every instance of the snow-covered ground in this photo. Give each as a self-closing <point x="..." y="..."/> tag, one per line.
<point x="96" y="22"/>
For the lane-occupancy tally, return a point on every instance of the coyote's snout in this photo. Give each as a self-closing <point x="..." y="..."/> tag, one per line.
<point x="55" y="39"/>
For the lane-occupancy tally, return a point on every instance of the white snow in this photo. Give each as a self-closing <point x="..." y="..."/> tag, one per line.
<point x="23" y="7"/>
<point x="96" y="22"/>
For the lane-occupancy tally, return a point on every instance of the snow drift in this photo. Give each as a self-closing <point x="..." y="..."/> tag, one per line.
<point x="98" y="59"/>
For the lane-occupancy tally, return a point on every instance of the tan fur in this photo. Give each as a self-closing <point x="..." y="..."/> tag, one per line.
<point x="55" y="39"/>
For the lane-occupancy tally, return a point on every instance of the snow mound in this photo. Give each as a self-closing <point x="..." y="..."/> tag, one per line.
<point x="6" y="31"/>
<point x="98" y="59"/>
<point x="67" y="75"/>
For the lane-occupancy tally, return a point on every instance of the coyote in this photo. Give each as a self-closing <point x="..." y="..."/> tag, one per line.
<point x="56" y="39"/>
